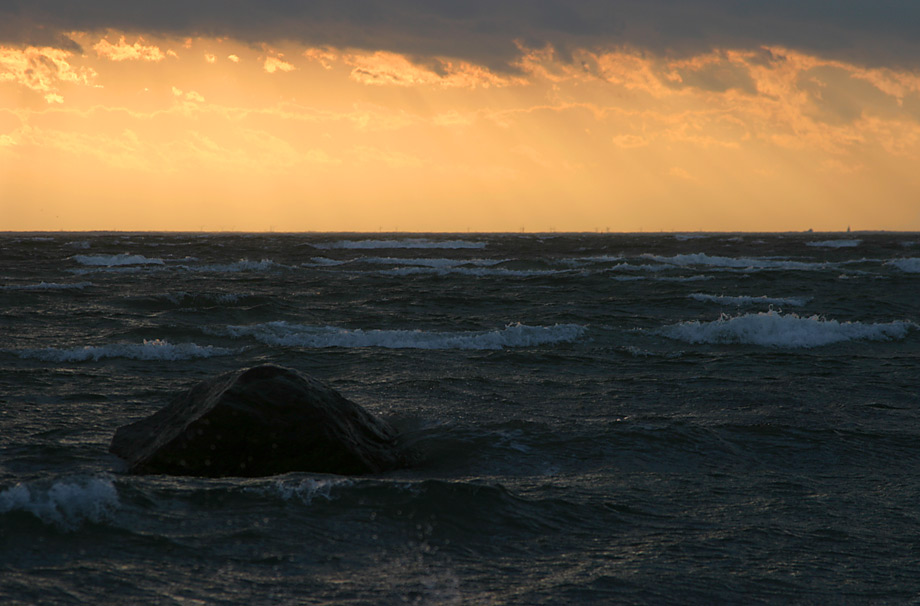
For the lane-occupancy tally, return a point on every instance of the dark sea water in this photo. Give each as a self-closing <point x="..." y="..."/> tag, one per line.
<point x="600" y="419"/>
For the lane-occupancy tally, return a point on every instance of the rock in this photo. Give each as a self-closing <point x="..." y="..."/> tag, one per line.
<point x="259" y="421"/>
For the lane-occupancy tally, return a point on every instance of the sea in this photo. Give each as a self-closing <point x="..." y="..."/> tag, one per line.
<point x="697" y="418"/>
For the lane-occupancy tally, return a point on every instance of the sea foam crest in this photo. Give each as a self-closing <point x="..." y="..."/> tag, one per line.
<point x="300" y="335"/>
<point x="65" y="504"/>
<point x="238" y="266"/>
<point x="304" y="490"/>
<point x="402" y="243"/>
<point x="735" y="262"/>
<point x="480" y="272"/>
<point x="835" y="243"/>
<point x="746" y="300"/>
<point x="775" y="329"/>
<point x="910" y="265"/>
<point x="116" y="260"/>
<point x="436" y="263"/>
<point x="155" y="349"/>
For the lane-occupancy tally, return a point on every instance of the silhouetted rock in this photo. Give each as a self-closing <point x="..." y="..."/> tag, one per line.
<point x="260" y="421"/>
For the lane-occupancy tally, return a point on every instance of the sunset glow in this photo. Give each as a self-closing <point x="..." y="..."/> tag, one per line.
<point x="146" y="132"/>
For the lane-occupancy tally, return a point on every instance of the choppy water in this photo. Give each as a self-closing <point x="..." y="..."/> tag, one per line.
<point x="602" y="418"/>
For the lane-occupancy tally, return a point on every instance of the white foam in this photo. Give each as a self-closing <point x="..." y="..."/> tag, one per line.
<point x="301" y="335"/>
<point x="47" y="286"/>
<point x="472" y="271"/>
<point x="774" y="329"/>
<point x="155" y="349"/>
<point x="304" y="491"/>
<point x="437" y="263"/>
<point x="835" y="243"/>
<point x="403" y="243"/>
<point x="746" y="300"/>
<point x="116" y="260"/>
<point x="910" y="265"/>
<point x="239" y="266"/>
<point x="65" y="504"/>
<point x="697" y="278"/>
<point x="736" y="262"/>
<point x="323" y="262"/>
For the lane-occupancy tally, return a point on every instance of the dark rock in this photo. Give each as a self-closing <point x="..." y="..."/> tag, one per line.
<point x="260" y="421"/>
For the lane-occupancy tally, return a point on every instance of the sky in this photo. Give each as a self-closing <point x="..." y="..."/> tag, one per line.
<point x="577" y="115"/>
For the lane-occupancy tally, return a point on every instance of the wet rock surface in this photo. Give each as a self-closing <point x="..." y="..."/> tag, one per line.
<point x="260" y="421"/>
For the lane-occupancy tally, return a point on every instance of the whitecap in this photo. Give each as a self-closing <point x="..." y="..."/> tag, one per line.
<point x="910" y="265"/>
<point x="835" y="243"/>
<point x="402" y="243"/>
<point x="65" y="504"/>
<point x="774" y="329"/>
<point x="472" y="271"/>
<point x="304" y="491"/>
<point x="116" y="260"/>
<point x="747" y="300"/>
<point x="322" y="262"/>
<point x="736" y="262"/>
<point x="301" y="335"/>
<point x="436" y="263"/>
<point x="239" y="266"/>
<point x="155" y="349"/>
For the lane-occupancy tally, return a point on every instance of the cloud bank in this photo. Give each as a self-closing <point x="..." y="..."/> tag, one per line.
<point x="883" y="32"/>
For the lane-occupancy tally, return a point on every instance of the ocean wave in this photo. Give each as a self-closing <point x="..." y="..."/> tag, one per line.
<point x="835" y="243"/>
<point x="300" y="335"/>
<point x="47" y="286"/>
<point x="239" y="266"/>
<point x="436" y="263"/>
<point x="323" y="262"/>
<point x="65" y="504"/>
<point x="736" y="262"/>
<point x="774" y="329"/>
<point x="910" y="265"/>
<point x="696" y="278"/>
<point x="155" y="349"/>
<point x="473" y="271"/>
<point x="746" y="300"/>
<point x="116" y="260"/>
<point x="305" y="490"/>
<point x="403" y="243"/>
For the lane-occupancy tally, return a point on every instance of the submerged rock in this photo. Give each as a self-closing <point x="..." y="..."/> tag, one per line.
<point x="259" y="421"/>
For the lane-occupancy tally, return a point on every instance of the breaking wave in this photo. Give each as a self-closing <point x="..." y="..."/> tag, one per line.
<point x="774" y="329"/>
<point x="736" y="262"/>
<point x="239" y="266"/>
<point x="155" y="349"/>
<point x="116" y="260"/>
<point x="746" y="300"/>
<point x="65" y="504"/>
<point x="910" y="265"/>
<point x="835" y="243"/>
<point x="303" y="490"/>
<point x="300" y="335"/>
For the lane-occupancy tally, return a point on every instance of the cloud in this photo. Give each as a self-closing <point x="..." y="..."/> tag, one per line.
<point x="122" y="51"/>
<point x="42" y="69"/>
<point x="484" y="32"/>
<point x="276" y="64"/>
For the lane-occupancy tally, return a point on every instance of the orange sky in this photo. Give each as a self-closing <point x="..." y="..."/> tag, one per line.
<point x="157" y="133"/>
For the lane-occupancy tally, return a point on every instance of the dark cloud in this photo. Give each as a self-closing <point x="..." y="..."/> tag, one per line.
<point x="873" y="33"/>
